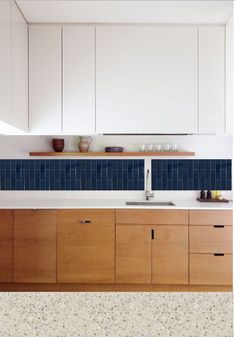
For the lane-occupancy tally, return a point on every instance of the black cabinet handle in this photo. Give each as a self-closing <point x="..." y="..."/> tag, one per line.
<point x="85" y="221"/>
<point x="218" y="226"/>
<point x="218" y="254"/>
<point x="152" y="234"/>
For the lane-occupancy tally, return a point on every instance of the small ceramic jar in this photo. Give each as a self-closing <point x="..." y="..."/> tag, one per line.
<point x="58" y="145"/>
<point x="84" y="144"/>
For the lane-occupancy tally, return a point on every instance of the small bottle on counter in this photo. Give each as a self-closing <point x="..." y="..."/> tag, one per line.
<point x="214" y="194"/>
<point x="208" y="195"/>
<point x="218" y="194"/>
<point x="202" y="195"/>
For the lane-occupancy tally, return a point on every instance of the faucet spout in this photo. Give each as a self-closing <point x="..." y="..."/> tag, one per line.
<point x="149" y="193"/>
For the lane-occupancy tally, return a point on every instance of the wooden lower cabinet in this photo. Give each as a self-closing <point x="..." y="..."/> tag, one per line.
<point x="133" y="254"/>
<point x="152" y="254"/>
<point x="35" y="246"/>
<point x="170" y="254"/>
<point x="6" y="245"/>
<point x="108" y="246"/>
<point x="210" y="235"/>
<point x="85" y="246"/>
<point x="211" y="269"/>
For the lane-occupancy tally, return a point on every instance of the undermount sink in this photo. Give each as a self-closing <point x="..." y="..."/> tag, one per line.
<point x="149" y="203"/>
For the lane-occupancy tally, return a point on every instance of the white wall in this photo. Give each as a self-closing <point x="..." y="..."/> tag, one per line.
<point x="205" y="147"/>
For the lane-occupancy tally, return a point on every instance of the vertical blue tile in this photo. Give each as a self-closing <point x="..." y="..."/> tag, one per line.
<point x="98" y="185"/>
<point x="141" y="185"/>
<point x="99" y="170"/>
<point x="120" y="169"/>
<point x="114" y="174"/>
<point x="191" y="174"/>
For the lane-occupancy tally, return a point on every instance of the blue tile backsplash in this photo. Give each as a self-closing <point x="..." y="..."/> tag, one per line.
<point x="55" y="175"/>
<point x="193" y="174"/>
<point x="113" y="175"/>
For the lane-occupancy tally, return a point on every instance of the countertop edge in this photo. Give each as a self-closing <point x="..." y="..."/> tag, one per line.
<point x="107" y="204"/>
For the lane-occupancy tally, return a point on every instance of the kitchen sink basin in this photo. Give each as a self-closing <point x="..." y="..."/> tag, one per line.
<point x="150" y="203"/>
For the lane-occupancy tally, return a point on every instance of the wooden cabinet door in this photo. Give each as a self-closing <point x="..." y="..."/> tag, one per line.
<point x="147" y="77"/>
<point x="6" y="245"/>
<point x="170" y="254"/>
<point x="35" y="246"/>
<point x="133" y="254"/>
<point x="85" y="246"/>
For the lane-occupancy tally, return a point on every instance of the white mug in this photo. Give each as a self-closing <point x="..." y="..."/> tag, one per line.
<point x="158" y="148"/>
<point x="150" y="147"/>
<point x="166" y="147"/>
<point x="142" y="147"/>
<point x="174" y="147"/>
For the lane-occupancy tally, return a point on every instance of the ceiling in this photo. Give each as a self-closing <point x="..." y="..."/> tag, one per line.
<point x="126" y="11"/>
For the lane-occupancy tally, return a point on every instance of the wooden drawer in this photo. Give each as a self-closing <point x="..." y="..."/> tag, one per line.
<point x="37" y="217"/>
<point x="224" y="218"/>
<point x="86" y="216"/>
<point x="210" y="269"/>
<point x="210" y="239"/>
<point x="151" y="217"/>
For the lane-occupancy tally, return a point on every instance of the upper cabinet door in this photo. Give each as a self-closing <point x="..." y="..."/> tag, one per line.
<point x="229" y="77"/>
<point x="5" y="61"/>
<point x="45" y="79"/>
<point x="79" y="80"/>
<point x="19" y="70"/>
<point x="146" y="79"/>
<point x="211" y="80"/>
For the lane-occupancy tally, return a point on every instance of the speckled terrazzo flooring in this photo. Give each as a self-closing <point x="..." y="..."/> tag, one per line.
<point x="116" y="314"/>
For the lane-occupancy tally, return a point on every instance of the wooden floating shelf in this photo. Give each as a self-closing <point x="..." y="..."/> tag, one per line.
<point x="111" y="154"/>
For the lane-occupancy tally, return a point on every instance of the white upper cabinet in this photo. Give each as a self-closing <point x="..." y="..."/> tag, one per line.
<point x="13" y="69"/>
<point x="19" y="70"/>
<point x="146" y="79"/>
<point x="229" y="77"/>
<point x="79" y="80"/>
<point x="120" y="79"/>
<point x="211" y="80"/>
<point x="5" y="61"/>
<point x="45" y="79"/>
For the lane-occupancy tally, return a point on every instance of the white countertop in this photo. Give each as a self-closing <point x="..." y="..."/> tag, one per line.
<point x="104" y="203"/>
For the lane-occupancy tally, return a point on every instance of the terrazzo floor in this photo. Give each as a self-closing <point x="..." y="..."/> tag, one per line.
<point x="116" y="314"/>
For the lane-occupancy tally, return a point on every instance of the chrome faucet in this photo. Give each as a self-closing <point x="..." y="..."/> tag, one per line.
<point x="149" y="192"/>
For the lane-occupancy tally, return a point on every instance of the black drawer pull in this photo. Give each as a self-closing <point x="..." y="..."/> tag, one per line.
<point x="218" y="254"/>
<point x="218" y="226"/>
<point x="85" y="221"/>
<point x="152" y="234"/>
